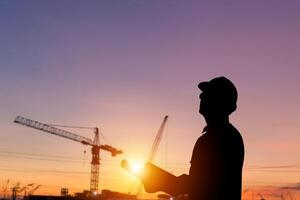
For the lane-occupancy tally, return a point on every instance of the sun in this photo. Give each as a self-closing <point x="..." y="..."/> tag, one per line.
<point x="137" y="167"/>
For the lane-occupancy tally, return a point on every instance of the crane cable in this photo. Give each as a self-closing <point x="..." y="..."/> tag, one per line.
<point x="69" y="126"/>
<point x="82" y="127"/>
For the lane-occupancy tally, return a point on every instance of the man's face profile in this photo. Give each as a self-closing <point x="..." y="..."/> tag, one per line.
<point x="203" y="103"/>
<point x="207" y="103"/>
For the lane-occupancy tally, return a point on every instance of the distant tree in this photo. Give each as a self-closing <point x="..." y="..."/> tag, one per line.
<point x="4" y="189"/>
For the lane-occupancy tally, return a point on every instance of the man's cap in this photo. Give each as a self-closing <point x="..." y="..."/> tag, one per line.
<point x="222" y="88"/>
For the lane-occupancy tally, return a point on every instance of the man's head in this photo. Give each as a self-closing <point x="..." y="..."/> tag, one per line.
<point x="218" y="97"/>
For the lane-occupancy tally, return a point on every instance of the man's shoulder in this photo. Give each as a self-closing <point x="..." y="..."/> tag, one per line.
<point x="234" y="133"/>
<point x="233" y="128"/>
<point x="234" y="142"/>
<point x="203" y="138"/>
<point x="224" y="134"/>
<point x="220" y="138"/>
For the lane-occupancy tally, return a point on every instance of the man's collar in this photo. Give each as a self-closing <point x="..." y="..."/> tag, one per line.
<point x="204" y="129"/>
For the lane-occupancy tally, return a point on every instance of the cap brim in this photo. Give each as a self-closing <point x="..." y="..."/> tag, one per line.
<point x="203" y="86"/>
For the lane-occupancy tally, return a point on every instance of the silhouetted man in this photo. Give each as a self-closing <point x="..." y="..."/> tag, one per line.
<point x="218" y="155"/>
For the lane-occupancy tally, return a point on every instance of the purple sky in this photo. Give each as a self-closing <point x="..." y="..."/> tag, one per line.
<point x="125" y="64"/>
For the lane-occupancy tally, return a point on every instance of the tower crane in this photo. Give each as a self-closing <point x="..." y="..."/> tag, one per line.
<point x="154" y="149"/>
<point x="96" y="146"/>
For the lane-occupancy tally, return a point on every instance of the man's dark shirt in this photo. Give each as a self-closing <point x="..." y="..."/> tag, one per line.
<point x="216" y="165"/>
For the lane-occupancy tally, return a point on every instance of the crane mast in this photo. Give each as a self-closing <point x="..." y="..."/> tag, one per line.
<point x="96" y="147"/>
<point x="154" y="148"/>
<point x="157" y="139"/>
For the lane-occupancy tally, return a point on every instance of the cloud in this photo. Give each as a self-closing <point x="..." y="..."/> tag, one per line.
<point x="292" y="187"/>
<point x="273" y="192"/>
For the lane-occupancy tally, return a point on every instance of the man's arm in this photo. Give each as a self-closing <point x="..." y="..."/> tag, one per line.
<point x="181" y="185"/>
<point x="172" y="185"/>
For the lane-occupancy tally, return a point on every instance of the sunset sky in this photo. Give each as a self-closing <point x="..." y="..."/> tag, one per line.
<point x="124" y="65"/>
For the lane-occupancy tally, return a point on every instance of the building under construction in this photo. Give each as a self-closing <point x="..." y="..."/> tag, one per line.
<point x="86" y="195"/>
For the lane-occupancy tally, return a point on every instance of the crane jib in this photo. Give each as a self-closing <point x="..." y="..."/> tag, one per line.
<point x="52" y="130"/>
